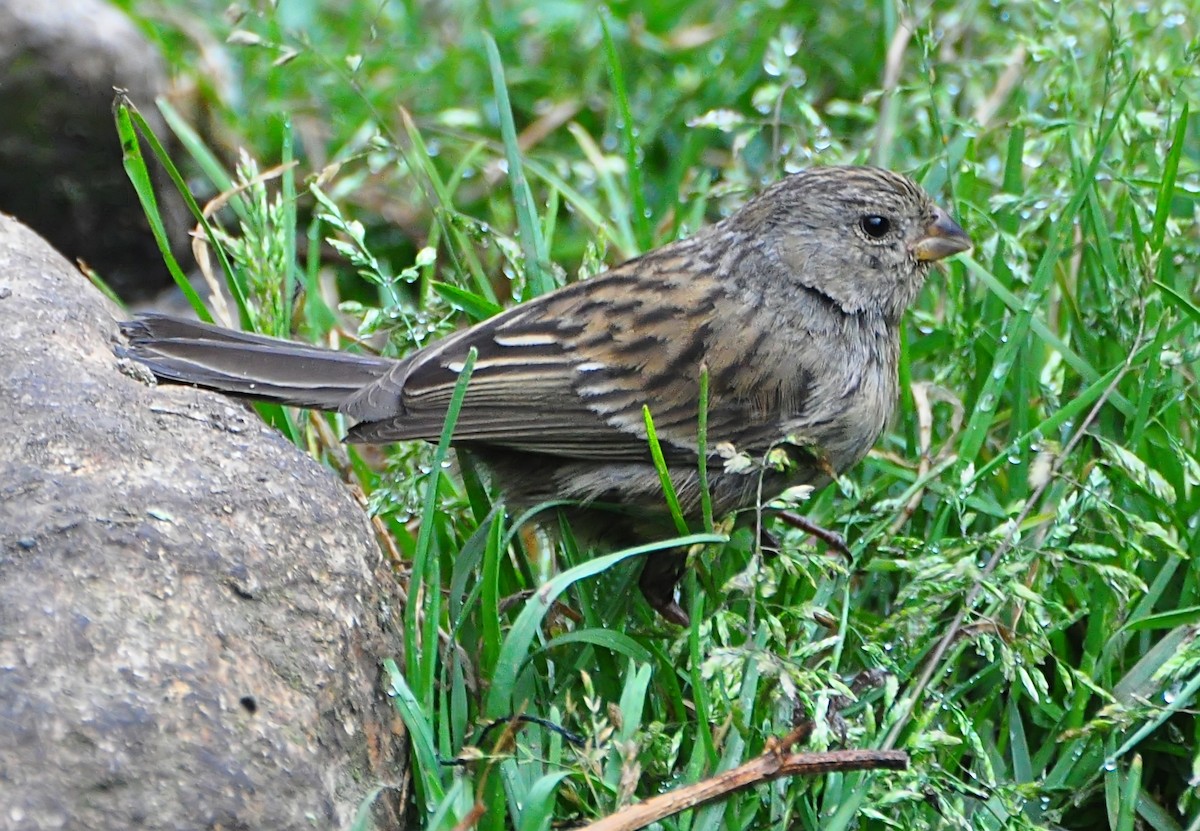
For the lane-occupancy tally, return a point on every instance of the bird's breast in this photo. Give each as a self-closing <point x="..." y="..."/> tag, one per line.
<point x="852" y="399"/>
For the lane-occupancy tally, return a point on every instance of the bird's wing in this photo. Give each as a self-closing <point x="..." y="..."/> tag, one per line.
<point x="568" y="373"/>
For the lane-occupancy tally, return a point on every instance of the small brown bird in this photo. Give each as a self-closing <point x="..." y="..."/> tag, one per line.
<point x="792" y="305"/>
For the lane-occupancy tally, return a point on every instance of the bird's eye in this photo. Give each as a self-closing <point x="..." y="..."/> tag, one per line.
<point x="875" y="226"/>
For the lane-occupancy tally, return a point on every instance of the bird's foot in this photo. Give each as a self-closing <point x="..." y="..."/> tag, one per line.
<point x="660" y="583"/>
<point x="831" y="538"/>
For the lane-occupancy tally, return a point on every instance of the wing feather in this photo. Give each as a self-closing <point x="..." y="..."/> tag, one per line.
<point x="554" y="376"/>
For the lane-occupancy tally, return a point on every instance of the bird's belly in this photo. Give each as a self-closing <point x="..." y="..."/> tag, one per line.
<point x="850" y="423"/>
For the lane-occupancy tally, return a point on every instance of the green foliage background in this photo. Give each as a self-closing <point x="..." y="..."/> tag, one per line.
<point x="1022" y="537"/>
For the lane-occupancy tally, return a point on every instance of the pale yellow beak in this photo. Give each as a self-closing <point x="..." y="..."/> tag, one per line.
<point x="943" y="237"/>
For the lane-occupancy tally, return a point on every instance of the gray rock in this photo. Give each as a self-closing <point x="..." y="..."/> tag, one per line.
<point x="60" y="158"/>
<point x="192" y="612"/>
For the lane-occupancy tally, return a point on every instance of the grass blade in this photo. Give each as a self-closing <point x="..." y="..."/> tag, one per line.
<point x="664" y="474"/>
<point x="633" y="164"/>
<point x="514" y="653"/>
<point x="532" y="243"/>
<point x="421" y="643"/>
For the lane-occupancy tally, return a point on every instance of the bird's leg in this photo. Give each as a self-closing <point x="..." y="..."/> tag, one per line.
<point x="768" y="542"/>
<point x="803" y="727"/>
<point x="831" y="538"/>
<point x="659" y="583"/>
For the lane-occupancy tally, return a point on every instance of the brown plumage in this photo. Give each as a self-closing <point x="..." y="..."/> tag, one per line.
<point x="792" y="304"/>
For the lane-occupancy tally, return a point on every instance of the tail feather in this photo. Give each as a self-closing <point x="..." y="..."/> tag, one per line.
<point x="254" y="366"/>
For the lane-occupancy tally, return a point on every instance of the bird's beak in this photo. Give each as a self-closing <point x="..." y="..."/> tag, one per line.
<point x="943" y="237"/>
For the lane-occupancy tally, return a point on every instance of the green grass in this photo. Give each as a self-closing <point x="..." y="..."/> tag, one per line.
<point x="1022" y="536"/>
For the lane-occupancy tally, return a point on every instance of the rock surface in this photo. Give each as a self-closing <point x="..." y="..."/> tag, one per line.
<point x="192" y="612"/>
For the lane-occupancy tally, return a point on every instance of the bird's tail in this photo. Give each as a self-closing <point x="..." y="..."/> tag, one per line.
<point x="254" y="366"/>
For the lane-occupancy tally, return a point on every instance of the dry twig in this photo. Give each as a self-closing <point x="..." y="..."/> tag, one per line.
<point x="774" y="764"/>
